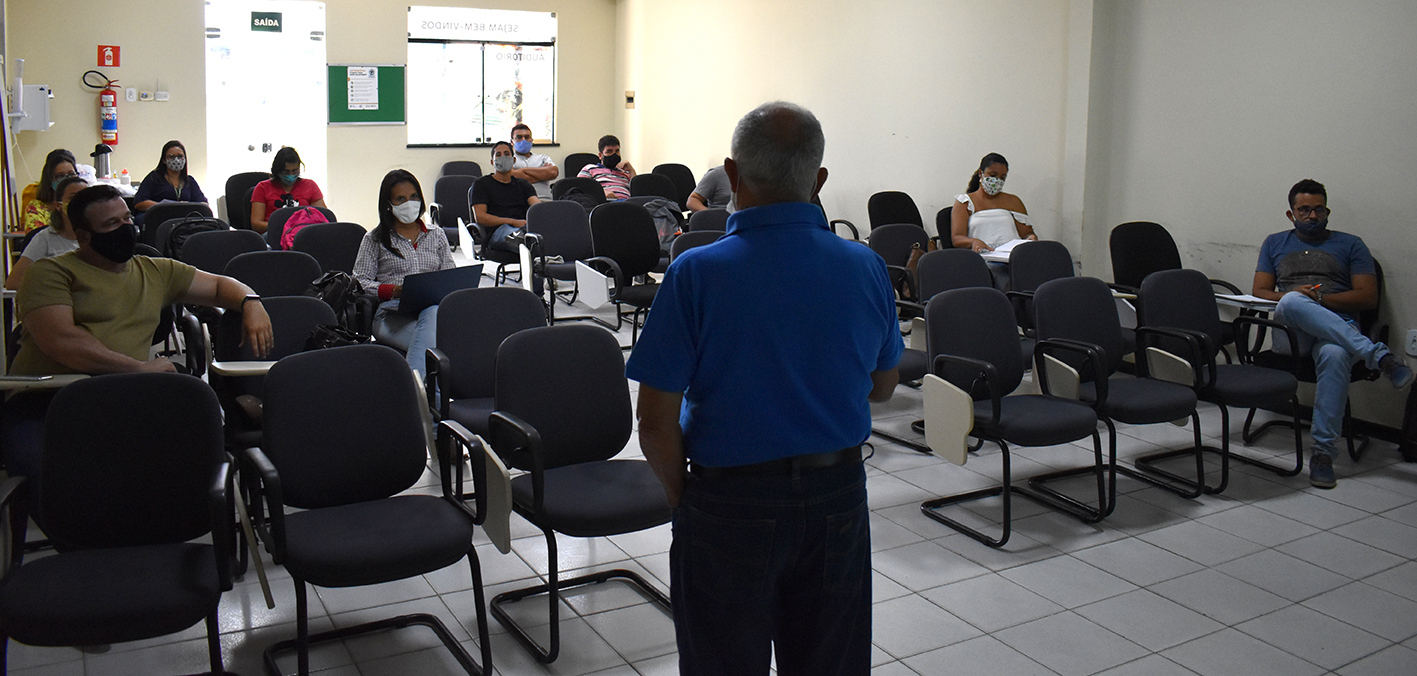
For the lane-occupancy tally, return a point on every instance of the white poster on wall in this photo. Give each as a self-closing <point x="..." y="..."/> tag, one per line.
<point x="482" y="25"/>
<point x="363" y="87"/>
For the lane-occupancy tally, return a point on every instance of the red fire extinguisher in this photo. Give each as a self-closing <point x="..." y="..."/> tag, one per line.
<point x="107" y="108"/>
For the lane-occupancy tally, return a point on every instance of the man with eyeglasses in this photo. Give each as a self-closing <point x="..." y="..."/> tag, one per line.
<point x="1322" y="279"/>
<point x="534" y="168"/>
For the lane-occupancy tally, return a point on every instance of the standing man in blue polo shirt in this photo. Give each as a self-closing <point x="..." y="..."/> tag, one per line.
<point x="756" y="366"/>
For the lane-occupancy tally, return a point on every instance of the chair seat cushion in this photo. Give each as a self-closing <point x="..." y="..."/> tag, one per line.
<point x="102" y="596"/>
<point x="1251" y="386"/>
<point x="596" y="498"/>
<point x="1036" y="420"/>
<point x="1307" y="372"/>
<point x="472" y="413"/>
<point x="499" y="256"/>
<point x="376" y="541"/>
<point x="639" y="295"/>
<point x="913" y="366"/>
<point x="1143" y="401"/>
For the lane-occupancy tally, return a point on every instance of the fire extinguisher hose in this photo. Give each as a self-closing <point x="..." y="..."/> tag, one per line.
<point x="106" y="82"/>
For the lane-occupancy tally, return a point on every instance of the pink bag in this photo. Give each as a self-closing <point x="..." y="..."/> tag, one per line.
<point x="298" y="220"/>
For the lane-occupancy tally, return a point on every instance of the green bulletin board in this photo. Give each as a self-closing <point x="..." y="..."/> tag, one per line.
<point x="387" y="109"/>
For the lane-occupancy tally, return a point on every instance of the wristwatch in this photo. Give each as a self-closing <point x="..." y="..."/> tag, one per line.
<point x="250" y="297"/>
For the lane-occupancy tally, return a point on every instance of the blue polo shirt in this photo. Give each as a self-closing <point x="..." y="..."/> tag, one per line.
<point x="771" y="333"/>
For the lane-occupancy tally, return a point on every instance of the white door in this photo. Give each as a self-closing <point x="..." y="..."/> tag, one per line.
<point x="266" y="86"/>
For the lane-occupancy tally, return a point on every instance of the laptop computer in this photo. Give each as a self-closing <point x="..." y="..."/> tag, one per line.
<point x="429" y="288"/>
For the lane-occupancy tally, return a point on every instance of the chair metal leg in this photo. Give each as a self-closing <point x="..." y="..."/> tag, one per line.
<point x="908" y="443"/>
<point x="552" y="589"/>
<point x="1147" y="471"/>
<point x="929" y="506"/>
<point x="1106" y="474"/>
<point x="214" y="642"/>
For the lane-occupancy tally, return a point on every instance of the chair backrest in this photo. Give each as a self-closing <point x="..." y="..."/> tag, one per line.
<point x="451" y="194"/>
<point x="275" y="223"/>
<point x="1180" y="299"/>
<point x="275" y="273"/>
<point x="683" y="178"/>
<point x="943" y="224"/>
<point x="461" y="168"/>
<point x="892" y="206"/>
<point x="563" y="227"/>
<point x="976" y="323"/>
<point x="173" y="234"/>
<point x="472" y="323"/>
<point x="586" y="184"/>
<point x="343" y="425"/>
<point x="1368" y="319"/>
<point x="238" y="197"/>
<point x="947" y="269"/>
<point x="334" y="245"/>
<point x="1033" y="263"/>
<point x="1082" y="309"/>
<point x="708" y="219"/>
<point x="164" y="211"/>
<point x="1140" y="248"/>
<point x="693" y="239"/>
<point x="655" y="185"/>
<point x="292" y="320"/>
<point x="211" y="251"/>
<point x="590" y="417"/>
<point x="129" y="459"/>
<point x="893" y="242"/>
<point x="577" y="161"/>
<point x="625" y="233"/>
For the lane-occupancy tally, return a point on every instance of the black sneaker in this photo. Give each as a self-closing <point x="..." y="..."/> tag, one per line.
<point x="1321" y="471"/>
<point x="1396" y="370"/>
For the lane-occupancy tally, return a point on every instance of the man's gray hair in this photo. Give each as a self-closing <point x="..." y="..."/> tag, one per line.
<point x="778" y="148"/>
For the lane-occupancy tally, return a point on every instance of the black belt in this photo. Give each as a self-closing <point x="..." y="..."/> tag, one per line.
<point x="793" y="465"/>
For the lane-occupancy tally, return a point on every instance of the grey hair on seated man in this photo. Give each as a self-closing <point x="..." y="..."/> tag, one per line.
<point x="778" y="148"/>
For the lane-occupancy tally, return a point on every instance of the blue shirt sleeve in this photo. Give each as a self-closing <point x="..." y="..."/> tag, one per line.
<point x="893" y="345"/>
<point x="1267" y="260"/>
<point x="663" y="357"/>
<point x="1360" y="260"/>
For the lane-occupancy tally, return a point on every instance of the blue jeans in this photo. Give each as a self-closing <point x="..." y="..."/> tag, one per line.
<point x="768" y="561"/>
<point x="413" y="335"/>
<point x="1335" y="344"/>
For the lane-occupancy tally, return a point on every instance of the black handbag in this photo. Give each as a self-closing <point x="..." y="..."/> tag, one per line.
<point x="329" y="335"/>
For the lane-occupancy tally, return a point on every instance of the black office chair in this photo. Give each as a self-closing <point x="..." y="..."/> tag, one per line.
<point x="451" y="195"/>
<point x="558" y="229"/>
<point x="567" y="446"/>
<point x="585" y="184"/>
<point x="626" y="248"/>
<point x="1140" y="248"/>
<point x="683" y="178"/>
<point x="162" y="212"/>
<point x="472" y="323"/>
<point x="334" y="245"/>
<point x="238" y="197"/>
<point x="577" y="161"/>
<point x="275" y="273"/>
<point x="708" y="219"/>
<point x="943" y="233"/>
<point x="461" y="168"/>
<point x="690" y="240"/>
<point x="275" y="223"/>
<point x="1179" y="306"/>
<point x="892" y="206"/>
<point x="211" y="251"/>
<point x="134" y="475"/>
<point x="1080" y="311"/>
<point x="655" y="185"/>
<point x="833" y="222"/>
<point x="972" y="335"/>
<point x="347" y="477"/>
<point x="894" y="243"/>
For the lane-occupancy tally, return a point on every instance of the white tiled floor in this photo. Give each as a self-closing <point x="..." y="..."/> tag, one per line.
<point x="1271" y="577"/>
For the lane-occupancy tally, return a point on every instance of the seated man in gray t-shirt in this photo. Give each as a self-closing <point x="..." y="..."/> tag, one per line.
<point x="713" y="191"/>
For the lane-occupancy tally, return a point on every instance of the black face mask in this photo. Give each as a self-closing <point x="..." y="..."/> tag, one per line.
<point x="610" y="161"/>
<point x="117" y="245"/>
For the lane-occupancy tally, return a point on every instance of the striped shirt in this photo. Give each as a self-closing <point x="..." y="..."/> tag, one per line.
<point x="376" y="266"/>
<point x="613" y="180"/>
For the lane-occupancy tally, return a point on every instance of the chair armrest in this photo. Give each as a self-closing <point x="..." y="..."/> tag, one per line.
<point x="223" y="508"/>
<point x="275" y="502"/>
<point x="433" y="209"/>
<point x="198" y="352"/>
<point x="437" y="364"/>
<point x="1227" y="286"/>
<point x="855" y="234"/>
<point x="1242" y="337"/>
<point x="1021" y="295"/>
<point x="1199" y="350"/>
<point x="611" y="269"/>
<point x="911" y="305"/>
<point x="1124" y="288"/>
<point x="452" y="432"/>
<point x="12" y="492"/>
<point x="524" y="442"/>
<point x="987" y="374"/>
<point x="907" y="276"/>
<point x="1091" y="352"/>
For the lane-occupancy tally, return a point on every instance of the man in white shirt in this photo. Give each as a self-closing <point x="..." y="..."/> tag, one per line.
<point x="534" y="168"/>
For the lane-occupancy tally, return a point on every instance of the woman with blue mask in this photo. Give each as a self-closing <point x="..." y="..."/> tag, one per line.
<point x="169" y="182"/>
<point x="285" y="188"/>
<point x="401" y="245"/>
<point x="985" y="216"/>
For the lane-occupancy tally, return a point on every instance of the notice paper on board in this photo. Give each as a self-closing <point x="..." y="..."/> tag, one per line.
<point x="363" y="87"/>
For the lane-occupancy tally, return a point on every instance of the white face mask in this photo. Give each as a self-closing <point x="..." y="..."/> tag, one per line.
<point x="503" y="164"/>
<point x="408" y="211"/>
<point x="175" y="163"/>
<point x="992" y="185"/>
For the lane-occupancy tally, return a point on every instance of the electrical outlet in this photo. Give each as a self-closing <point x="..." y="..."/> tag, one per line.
<point x="145" y="96"/>
<point x="1412" y="343"/>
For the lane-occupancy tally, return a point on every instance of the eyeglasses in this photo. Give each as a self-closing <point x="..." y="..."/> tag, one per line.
<point x="1310" y="211"/>
<point x="60" y="177"/>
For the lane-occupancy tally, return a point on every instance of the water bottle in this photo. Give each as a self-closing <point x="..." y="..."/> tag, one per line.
<point x="124" y="178"/>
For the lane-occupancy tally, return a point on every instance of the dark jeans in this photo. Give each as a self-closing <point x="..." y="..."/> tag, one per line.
<point x="780" y="561"/>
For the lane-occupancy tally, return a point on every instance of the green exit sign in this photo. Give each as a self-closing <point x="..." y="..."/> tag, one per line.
<point x="265" y="21"/>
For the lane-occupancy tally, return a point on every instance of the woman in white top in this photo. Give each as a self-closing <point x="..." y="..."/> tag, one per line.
<point x="986" y="217"/>
<point x="53" y="240"/>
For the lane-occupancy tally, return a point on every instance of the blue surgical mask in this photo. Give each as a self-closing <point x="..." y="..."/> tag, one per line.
<point x="289" y="179"/>
<point x="522" y="146"/>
